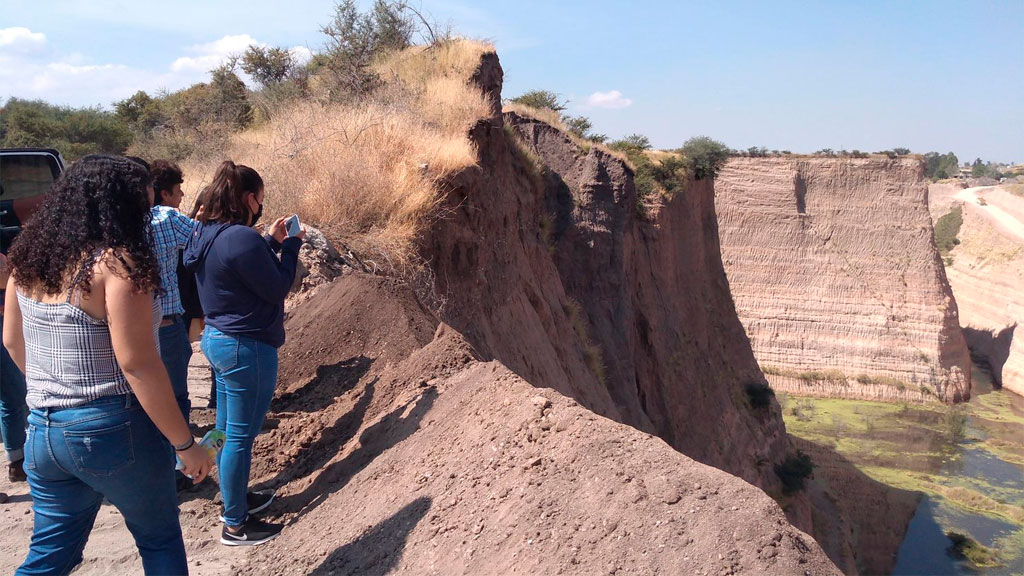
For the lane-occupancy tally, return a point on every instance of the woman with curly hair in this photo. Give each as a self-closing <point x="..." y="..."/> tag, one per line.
<point x="242" y="286"/>
<point x="81" y="322"/>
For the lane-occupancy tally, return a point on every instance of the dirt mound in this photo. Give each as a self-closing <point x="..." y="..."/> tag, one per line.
<point x="427" y="460"/>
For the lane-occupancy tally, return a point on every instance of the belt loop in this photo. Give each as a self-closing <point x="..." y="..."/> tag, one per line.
<point x="128" y="400"/>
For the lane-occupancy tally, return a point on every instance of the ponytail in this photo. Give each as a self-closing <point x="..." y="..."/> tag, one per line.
<point x="224" y="199"/>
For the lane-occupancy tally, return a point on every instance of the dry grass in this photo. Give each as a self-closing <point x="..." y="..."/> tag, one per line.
<point x="368" y="172"/>
<point x="419" y="65"/>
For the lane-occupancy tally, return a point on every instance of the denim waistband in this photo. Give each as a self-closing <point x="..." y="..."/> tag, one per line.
<point x="125" y="401"/>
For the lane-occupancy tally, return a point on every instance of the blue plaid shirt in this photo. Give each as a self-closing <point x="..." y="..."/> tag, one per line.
<point x="171" y="231"/>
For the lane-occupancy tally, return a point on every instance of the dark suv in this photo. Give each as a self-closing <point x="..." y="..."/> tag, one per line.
<point x="26" y="175"/>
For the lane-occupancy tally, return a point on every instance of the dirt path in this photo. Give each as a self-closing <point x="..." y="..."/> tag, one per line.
<point x="992" y="210"/>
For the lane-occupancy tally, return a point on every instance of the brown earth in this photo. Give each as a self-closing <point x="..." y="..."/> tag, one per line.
<point x="833" y="266"/>
<point x="398" y="450"/>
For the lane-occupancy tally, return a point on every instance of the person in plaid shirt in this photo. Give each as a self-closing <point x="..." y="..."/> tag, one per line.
<point x="171" y="231"/>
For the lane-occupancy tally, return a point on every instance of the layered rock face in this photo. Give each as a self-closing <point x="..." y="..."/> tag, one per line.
<point x="986" y="272"/>
<point x="836" y="278"/>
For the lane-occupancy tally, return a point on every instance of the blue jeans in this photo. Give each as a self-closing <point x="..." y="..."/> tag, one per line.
<point x="77" y="456"/>
<point x="246" y="373"/>
<point x="176" y="351"/>
<point x="13" y="410"/>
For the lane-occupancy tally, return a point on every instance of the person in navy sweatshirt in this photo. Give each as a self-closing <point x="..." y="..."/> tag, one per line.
<point x="242" y="285"/>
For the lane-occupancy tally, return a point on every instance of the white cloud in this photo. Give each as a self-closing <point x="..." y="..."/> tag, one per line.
<point x="212" y="54"/>
<point x="73" y="80"/>
<point x="612" y="100"/>
<point x="301" y="54"/>
<point x="21" y="39"/>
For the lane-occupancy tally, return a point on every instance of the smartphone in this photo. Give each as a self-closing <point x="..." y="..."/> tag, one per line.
<point x="292" y="225"/>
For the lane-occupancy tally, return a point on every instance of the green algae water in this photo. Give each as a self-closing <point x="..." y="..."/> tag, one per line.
<point x="967" y="463"/>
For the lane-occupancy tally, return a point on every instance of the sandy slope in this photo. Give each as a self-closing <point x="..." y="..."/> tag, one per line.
<point x="987" y="274"/>
<point x="993" y="209"/>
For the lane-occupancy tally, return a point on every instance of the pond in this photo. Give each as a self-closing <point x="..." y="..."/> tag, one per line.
<point x="973" y="485"/>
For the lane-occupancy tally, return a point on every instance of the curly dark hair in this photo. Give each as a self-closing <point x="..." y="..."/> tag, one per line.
<point x="100" y="203"/>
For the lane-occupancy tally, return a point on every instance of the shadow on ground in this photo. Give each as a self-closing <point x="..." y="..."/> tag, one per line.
<point x="393" y="428"/>
<point x="858" y="521"/>
<point x="377" y="551"/>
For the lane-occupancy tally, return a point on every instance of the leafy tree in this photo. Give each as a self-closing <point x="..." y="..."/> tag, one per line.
<point x="540" y="99"/>
<point x="705" y="157"/>
<point x="267" y="66"/>
<point x="939" y="166"/>
<point x="229" y="98"/>
<point x="901" y="151"/>
<point x="140" y="111"/>
<point x="581" y="127"/>
<point x="631" y="142"/>
<point x="73" y="132"/>
<point x="578" y="125"/>
<point x="355" y="38"/>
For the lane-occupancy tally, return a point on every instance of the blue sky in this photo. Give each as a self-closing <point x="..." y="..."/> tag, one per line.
<point x="928" y="75"/>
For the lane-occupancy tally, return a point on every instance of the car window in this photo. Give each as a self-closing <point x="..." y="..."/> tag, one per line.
<point x="26" y="175"/>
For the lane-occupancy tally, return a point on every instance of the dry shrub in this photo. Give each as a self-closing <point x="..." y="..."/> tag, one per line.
<point x="418" y="65"/>
<point x="368" y="172"/>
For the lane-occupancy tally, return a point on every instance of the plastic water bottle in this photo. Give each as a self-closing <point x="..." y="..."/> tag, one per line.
<point x="213" y="441"/>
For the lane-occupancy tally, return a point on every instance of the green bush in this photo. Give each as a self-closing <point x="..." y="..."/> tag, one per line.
<point x="581" y="126"/>
<point x="267" y="66"/>
<point x="759" y="394"/>
<point x="355" y="39"/>
<point x="72" y="132"/>
<point x="947" y="228"/>
<point x="541" y="100"/>
<point x="705" y="157"/>
<point x="955" y="422"/>
<point x="633" y="142"/>
<point x="793" y="471"/>
<point x="963" y="547"/>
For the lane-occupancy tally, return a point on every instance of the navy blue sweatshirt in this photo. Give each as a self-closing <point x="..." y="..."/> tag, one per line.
<point x="242" y="283"/>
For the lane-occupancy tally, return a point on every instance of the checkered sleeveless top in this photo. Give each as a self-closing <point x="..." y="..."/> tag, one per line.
<point x="69" y="358"/>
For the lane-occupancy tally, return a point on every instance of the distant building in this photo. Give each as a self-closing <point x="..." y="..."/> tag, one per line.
<point x="965" y="172"/>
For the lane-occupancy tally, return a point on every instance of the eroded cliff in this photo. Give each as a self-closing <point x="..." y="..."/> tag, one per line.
<point x="837" y="279"/>
<point x="500" y="412"/>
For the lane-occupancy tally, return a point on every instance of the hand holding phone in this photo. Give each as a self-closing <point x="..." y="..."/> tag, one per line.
<point x="292" y="226"/>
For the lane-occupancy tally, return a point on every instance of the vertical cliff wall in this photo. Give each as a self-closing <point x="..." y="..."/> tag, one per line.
<point x="836" y="278"/>
<point x="549" y="266"/>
